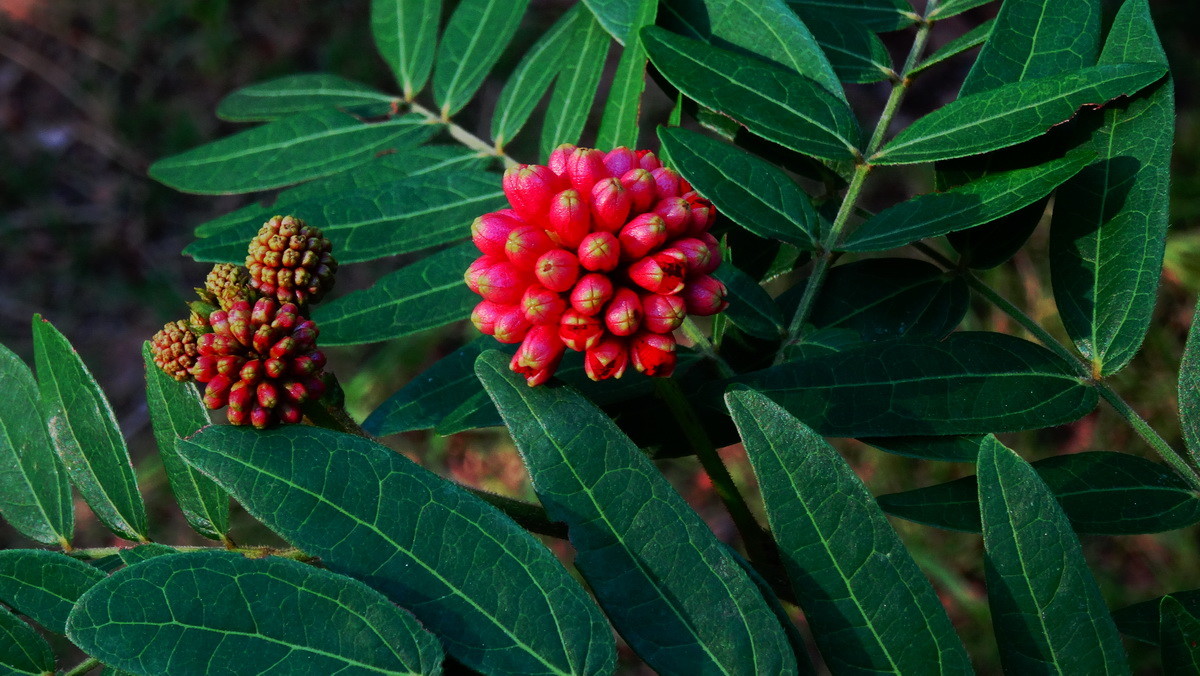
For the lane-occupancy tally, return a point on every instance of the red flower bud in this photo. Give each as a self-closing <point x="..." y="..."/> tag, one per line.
<point x="648" y="160"/>
<point x="623" y="316"/>
<point x="205" y="367"/>
<point x="512" y="325"/>
<point x="600" y="252"/>
<point x="261" y="417"/>
<point x="667" y="182"/>
<point x="704" y="296"/>
<point x="264" y="311"/>
<point x="585" y="166"/>
<point x="539" y="355"/>
<point x="653" y="353"/>
<point x="274" y="368"/>
<point x="696" y="252"/>
<point x="490" y="232"/>
<point x="502" y="283"/>
<point x="229" y="365"/>
<point x="216" y="393"/>
<point x="579" y="331"/>
<point x="267" y="395"/>
<point x="610" y="205"/>
<point x="714" y="252"/>
<point x="676" y="213"/>
<point x="241" y="395"/>
<point x="557" y="270"/>
<point x="591" y="294"/>
<point x="703" y="215"/>
<point x="620" y="160"/>
<point x="529" y="188"/>
<point x="684" y="186"/>
<point x="263" y="338"/>
<point x="525" y="244"/>
<point x="295" y="391"/>
<point x="239" y="324"/>
<point x="289" y="413"/>
<point x="642" y="235"/>
<point x="607" y="359"/>
<point x="477" y="268"/>
<point x="641" y="188"/>
<point x="219" y="321"/>
<point x="663" y="314"/>
<point x="485" y="314"/>
<point x="663" y="272"/>
<point x="558" y="158"/>
<point x="570" y="219"/>
<point x="541" y="305"/>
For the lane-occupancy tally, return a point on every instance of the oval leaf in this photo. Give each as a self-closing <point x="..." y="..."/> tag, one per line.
<point x="533" y="76"/>
<point x="879" y="15"/>
<point x="405" y="33"/>
<point x="472" y="43"/>
<point x="220" y="612"/>
<point x="502" y="605"/>
<point x="295" y="94"/>
<point x="23" y="650"/>
<point x="667" y="584"/>
<point x="576" y="87"/>
<point x="44" y="585"/>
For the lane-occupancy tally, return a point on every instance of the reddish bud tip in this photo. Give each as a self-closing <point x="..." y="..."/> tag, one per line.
<point x="607" y="359"/>
<point x="640" y="185"/>
<point x="485" y="314"/>
<point x="714" y="252"/>
<point x="696" y="252"/>
<point x="511" y="326"/>
<point x="252" y="371"/>
<point x="610" y="205"/>
<point x="263" y="338"/>
<point x="703" y="215"/>
<point x="600" y="252"/>
<point x="653" y="354"/>
<point x="648" y="160"/>
<point x="539" y="355"/>
<point x="289" y="413"/>
<point x="663" y="314"/>
<point x="267" y="395"/>
<point x="642" y="235"/>
<point x="241" y="395"/>
<point x="558" y="158"/>
<point x="502" y="283"/>
<point x="623" y="316"/>
<point x="579" y="331"/>
<point x="490" y="232"/>
<point x="477" y="268"/>
<point x="666" y="182"/>
<point x="529" y="188"/>
<point x="216" y="393"/>
<point x="541" y="305"/>
<point x="663" y="272"/>
<point x="570" y="219"/>
<point x="676" y="213"/>
<point x="264" y="311"/>
<point x="591" y="293"/>
<point x="261" y="417"/>
<point x="525" y="244"/>
<point x="618" y="161"/>
<point x="585" y="166"/>
<point x="557" y="270"/>
<point x="704" y="296"/>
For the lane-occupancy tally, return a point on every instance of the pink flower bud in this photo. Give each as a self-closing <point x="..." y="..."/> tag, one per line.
<point x="526" y="243"/>
<point x="663" y="272"/>
<point x="676" y="213"/>
<point x="600" y="252"/>
<point x="557" y="270"/>
<point x="529" y="188"/>
<point x="623" y="316"/>
<point x="274" y="368"/>
<point x="241" y="395"/>
<point x="289" y="413"/>
<point x="539" y="355"/>
<point x="663" y="314"/>
<point x="641" y="188"/>
<point x="205" y="367"/>
<point x="610" y="205"/>
<point x="648" y="160"/>
<point x="620" y="160"/>
<point x="219" y="321"/>
<point x="267" y="395"/>
<point x="295" y="392"/>
<point x="485" y="314"/>
<point x="264" y="311"/>
<point x="666" y="181"/>
<point x="216" y="393"/>
<point x="229" y="365"/>
<point x="607" y="359"/>
<point x="591" y="294"/>
<point x="512" y="325"/>
<point x="704" y="296"/>
<point x="263" y="338"/>
<point x="239" y="323"/>
<point x="541" y="305"/>
<point x="585" y="166"/>
<point x="476" y="270"/>
<point x="261" y="417"/>
<point x="696" y="252"/>
<point x="502" y="283"/>
<point x="653" y="354"/>
<point x="643" y="234"/>
<point x="703" y="215"/>
<point x="237" y="416"/>
<point x="570" y="218"/>
<point x="558" y="158"/>
<point x="579" y="331"/>
<point x="490" y="232"/>
<point x="714" y="251"/>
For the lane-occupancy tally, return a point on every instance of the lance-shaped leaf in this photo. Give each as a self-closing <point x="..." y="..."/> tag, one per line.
<point x="1179" y="638"/>
<point x="751" y="308"/>
<point x="950" y="8"/>
<point x="749" y="191"/>
<point x="35" y="496"/>
<point x="1110" y="221"/>
<point x="405" y="33"/>
<point x="502" y="605"/>
<point x="1102" y="493"/>
<point x="855" y="51"/>
<point x="289" y="150"/>
<point x="533" y="76"/>
<point x="790" y="109"/>
<point x="1012" y="113"/>
<point x="878" y="15"/>
<point x="472" y="43"/>
<point x="576" y="86"/>
<point x="619" y="125"/>
<point x="85" y="434"/>
<point x="967" y="383"/>
<point x="665" y="581"/>
<point x="1189" y="389"/>
<point x="177" y="412"/>
<point x="975" y="203"/>
<point x="869" y="606"/>
<point x="423" y="295"/>
<point x="1046" y="608"/>
<point x="220" y="612"/>
<point x="960" y="448"/>
<point x="23" y="650"/>
<point x="296" y="94"/>
<point x="44" y="585"/>
<point x="972" y="38"/>
<point x="1142" y="620"/>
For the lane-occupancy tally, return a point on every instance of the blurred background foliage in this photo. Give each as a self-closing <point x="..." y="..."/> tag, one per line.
<point x="92" y="92"/>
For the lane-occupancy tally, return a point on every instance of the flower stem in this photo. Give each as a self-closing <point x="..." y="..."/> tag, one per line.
<point x="93" y="553"/>
<point x="462" y="135"/>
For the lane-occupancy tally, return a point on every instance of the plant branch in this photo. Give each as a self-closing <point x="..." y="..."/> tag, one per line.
<point x="83" y="667"/>
<point x="93" y="553"/>
<point x="463" y="136"/>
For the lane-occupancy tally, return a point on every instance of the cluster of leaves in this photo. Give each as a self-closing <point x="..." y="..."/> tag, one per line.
<point x="416" y="570"/>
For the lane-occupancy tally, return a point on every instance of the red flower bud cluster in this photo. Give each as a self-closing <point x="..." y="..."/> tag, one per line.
<point x="602" y="253"/>
<point x="261" y="361"/>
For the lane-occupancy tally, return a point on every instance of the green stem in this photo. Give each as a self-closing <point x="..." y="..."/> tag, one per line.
<point x="93" y="553"/>
<point x="462" y="135"/>
<point x="83" y="667"/>
<point x="702" y="344"/>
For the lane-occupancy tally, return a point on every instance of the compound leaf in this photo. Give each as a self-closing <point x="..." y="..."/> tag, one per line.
<point x="575" y="89"/>
<point x="619" y="125"/>
<point x="405" y="33"/>
<point x="533" y="76"/>
<point x="295" y="94"/>
<point x="472" y="43"/>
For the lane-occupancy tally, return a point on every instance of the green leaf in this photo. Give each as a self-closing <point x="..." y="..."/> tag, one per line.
<point x="950" y="8"/>
<point x="751" y="192"/>
<point x="1102" y="493"/>
<point x="619" y="125"/>
<point x="972" y="38"/>
<point x="177" y="412"/>
<point x="576" y="86"/>
<point x="472" y="43"/>
<point x="791" y="110"/>
<point x="666" y="583"/>
<point x="289" y="150"/>
<point x="35" y="496"/>
<point x="751" y="308"/>
<point x="85" y="434"/>
<point x="966" y="206"/>
<point x="23" y="650"/>
<point x="220" y="612"/>
<point x="533" y="76"/>
<point x="878" y="15"/>
<point x="1180" y="638"/>
<point x="423" y="295"/>
<point x="1141" y="621"/>
<point x="1012" y="113"/>
<point x="1189" y="389"/>
<point x="765" y="29"/>
<point x="962" y="448"/>
<point x="855" y="51"/>
<point x="135" y="555"/>
<point x="405" y="33"/>
<point x="503" y="605"/>
<point x="621" y="18"/>
<point x="795" y="638"/>
<point x="869" y="606"/>
<point x="44" y="585"/>
<point x="1046" y="607"/>
<point x="296" y="94"/>
<point x="967" y="383"/>
<point x="1110" y="221"/>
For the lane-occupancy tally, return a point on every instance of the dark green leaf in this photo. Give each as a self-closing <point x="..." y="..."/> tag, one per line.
<point x="791" y="110"/>
<point x="1012" y="113"/>
<point x="44" y="585"/>
<point x="85" y="434"/>
<point x="666" y="583"/>
<point x="751" y="192"/>
<point x="1101" y="493"/>
<point x="878" y="15"/>
<point x="405" y="34"/>
<point x="420" y="296"/>
<point x="795" y="638"/>
<point x="972" y="38"/>
<point x="1110" y="222"/>
<point x="619" y="125"/>
<point x="503" y="605"/>
<point x="1046" y="607"/>
<point x="966" y="206"/>
<point x="533" y="76"/>
<point x="621" y="18"/>
<point x="967" y="383"/>
<point x="1189" y="389"/>
<point x="289" y="150"/>
<point x="950" y="8"/>
<point x="140" y="553"/>
<point x="576" y="86"/>
<point x="23" y="650"/>
<point x="1142" y="620"/>
<point x="963" y="448"/>
<point x="35" y="496"/>
<point x="177" y="412"/>
<point x="751" y="308"/>
<point x="472" y="43"/>
<point x="855" y="51"/>
<point x="870" y="607"/>
<point x="220" y="612"/>
<point x="296" y="94"/>
<point x="1180" y="638"/>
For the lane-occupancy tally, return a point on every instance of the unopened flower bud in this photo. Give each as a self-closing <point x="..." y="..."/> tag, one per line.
<point x="485" y="314"/>
<point x="607" y="359"/>
<point x="570" y="218"/>
<point x="511" y="326"/>
<point x="558" y="158"/>
<point x="579" y="331"/>
<point x="585" y="166"/>
<point x="676" y="214"/>
<point x="490" y="232"/>
<point x="591" y="293"/>
<point x="261" y="417"/>
<point x="648" y="160"/>
<point x="539" y="355"/>
<point x="541" y="305"/>
<point x="525" y="244"/>
<point x="653" y="353"/>
<point x="696" y="252"/>
<point x="502" y="283"/>
<point x="620" y="160"/>
<point x="643" y="234"/>
<point x="557" y="270"/>
<point x="663" y="314"/>
<point x="641" y="188"/>
<point x="667" y="182"/>
<point x="600" y="252"/>
<point x="529" y="188"/>
<point x="610" y="205"/>
<point x="477" y="268"/>
<point x="704" y="296"/>
<point x="663" y="272"/>
<point x="623" y="316"/>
